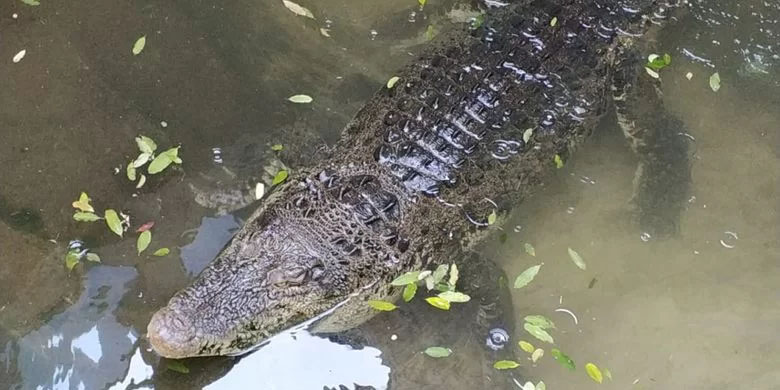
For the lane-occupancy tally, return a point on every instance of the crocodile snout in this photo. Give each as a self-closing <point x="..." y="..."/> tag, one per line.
<point x="171" y="335"/>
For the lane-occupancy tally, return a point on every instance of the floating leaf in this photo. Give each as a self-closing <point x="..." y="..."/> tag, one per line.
<point x="526" y="346"/>
<point x="382" y="305"/>
<point x="541" y="386"/>
<point x="540" y="321"/>
<point x="141" y="181"/>
<point x="652" y="73"/>
<point x="159" y="163"/>
<point x="438" y="302"/>
<point x="607" y="373"/>
<point x="178" y="366"/>
<point x="173" y="154"/>
<point x="130" y="171"/>
<point x="71" y="259"/>
<point x="558" y="161"/>
<point x="453" y="275"/>
<point x="689" y="75"/>
<point x="297" y="9"/>
<point x="113" y="222"/>
<point x="527" y="276"/>
<point x="528" y="386"/>
<point x="430" y="32"/>
<point x="537" y="354"/>
<point x="18" y="56"/>
<point x="145" y="227"/>
<point x="454" y="297"/>
<point x="392" y="81"/>
<point x="143" y="241"/>
<point x="83" y="203"/>
<point x="478" y="21"/>
<point x="277" y="147"/>
<point x="527" y="134"/>
<point x="31" y="2"/>
<point x="161" y="252"/>
<point x="93" y="257"/>
<point x="538" y="332"/>
<point x="529" y="249"/>
<point x="554" y="21"/>
<point x="422" y="3"/>
<point x="438" y="352"/>
<point x="440" y="272"/>
<point x="279" y="178"/>
<point x="85" y="217"/>
<point x="142" y="159"/>
<point x="594" y="372"/>
<point x="259" y="190"/>
<point x="424" y="274"/>
<point x="492" y="218"/>
<point x="409" y="291"/>
<point x="409" y="277"/>
<point x="563" y="359"/>
<point x="139" y="44"/>
<point x="301" y="99"/>
<point x="429" y="283"/>
<point x="505" y="364"/>
<point x="656" y="62"/>
<point x="715" y="82"/>
<point x="577" y="259"/>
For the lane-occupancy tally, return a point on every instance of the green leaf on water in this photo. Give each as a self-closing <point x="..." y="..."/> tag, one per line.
<point x="300" y="99"/>
<point x="280" y="177"/>
<point x="85" y="217"/>
<point x="71" y="259"/>
<point x="440" y="272"/>
<point x="113" y="222"/>
<point x="178" y="366"/>
<point x="161" y="252"/>
<point x="382" y="305"/>
<point x="430" y="32"/>
<point x="297" y="9"/>
<point x="438" y="352"/>
<point x="142" y="159"/>
<point x="554" y="21"/>
<point x="31" y="2"/>
<point x="505" y="364"/>
<point x="454" y="297"/>
<point x="594" y="372"/>
<point x="83" y="203"/>
<point x="392" y="81"/>
<point x="438" y="302"/>
<point x="538" y="332"/>
<point x="130" y="171"/>
<point x="422" y="3"/>
<point x="277" y="147"/>
<point x="577" y="259"/>
<point x="141" y="181"/>
<point x="541" y="386"/>
<point x="529" y="249"/>
<point x="540" y="321"/>
<point x="607" y="373"/>
<point x="656" y="62"/>
<point x="145" y="144"/>
<point x="409" y="291"/>
<point x="558" y="161"/>
<point x="527" y="276"/>
<point x="715" y="82"/>
<point x="403" y="280"/>
<point x="492" y="218"/>
<point x="144" y="239"/>
<point x="526" y="346"/>
<point x="563" y="359"/>
<point x="93" y="257"/>
<point x="139" y="45"/>
<point x="478" y="21"/>
<point x="453" y="275"/>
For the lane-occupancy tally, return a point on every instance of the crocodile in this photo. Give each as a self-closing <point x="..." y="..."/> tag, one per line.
<point x="473" y="124"/>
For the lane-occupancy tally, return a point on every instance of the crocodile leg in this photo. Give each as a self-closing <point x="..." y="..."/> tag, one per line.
<point x="663" y="175"/>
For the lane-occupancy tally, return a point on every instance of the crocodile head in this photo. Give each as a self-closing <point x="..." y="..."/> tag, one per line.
<point x="263" y="282"/>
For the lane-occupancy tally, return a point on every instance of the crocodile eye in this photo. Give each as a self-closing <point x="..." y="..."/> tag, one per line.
<point x="288" y="277"/>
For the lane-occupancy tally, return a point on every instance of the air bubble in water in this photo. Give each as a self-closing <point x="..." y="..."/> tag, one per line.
<point x="570" y="210"/>
<point x="645" y="236"/>
<point x="412" y="17"/>
<point x="374" y="33"/>
<point x="216" y="155"/>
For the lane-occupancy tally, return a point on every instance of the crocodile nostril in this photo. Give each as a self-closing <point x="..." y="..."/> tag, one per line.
<point x="170" y="334"/>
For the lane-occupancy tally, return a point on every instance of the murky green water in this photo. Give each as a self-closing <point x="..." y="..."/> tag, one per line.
<point x="698" y="311"/>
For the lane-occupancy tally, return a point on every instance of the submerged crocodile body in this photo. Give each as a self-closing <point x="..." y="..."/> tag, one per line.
<point x="472" y="125"/>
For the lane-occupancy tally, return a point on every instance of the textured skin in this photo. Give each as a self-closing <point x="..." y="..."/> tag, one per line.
<point x="414" y="176"/>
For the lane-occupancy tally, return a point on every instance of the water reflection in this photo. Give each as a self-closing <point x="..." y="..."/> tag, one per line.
<point x="84" y="347"/>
